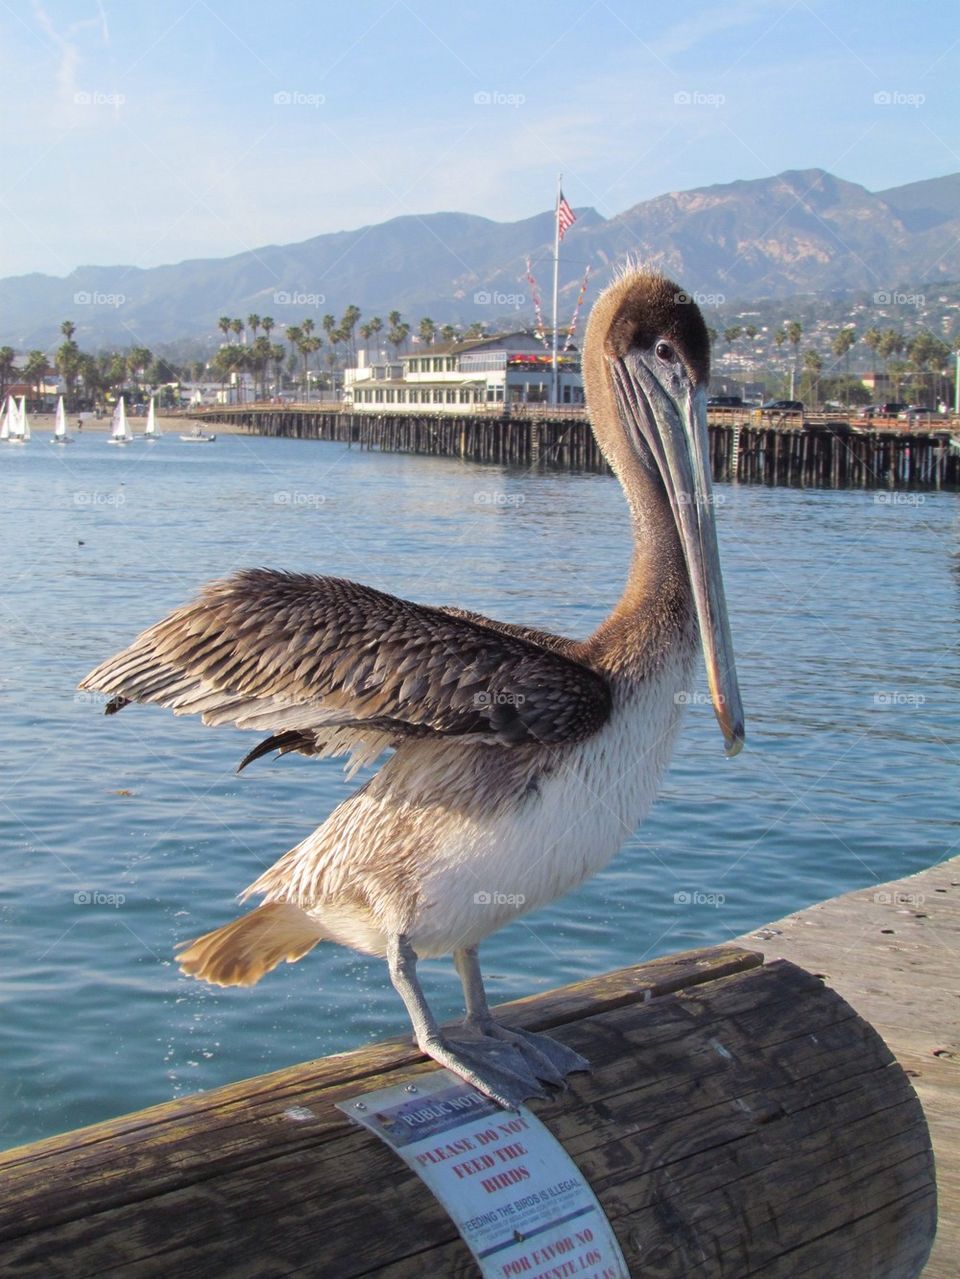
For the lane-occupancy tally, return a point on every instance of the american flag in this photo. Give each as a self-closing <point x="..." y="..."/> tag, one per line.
<point x="565" y="216"/>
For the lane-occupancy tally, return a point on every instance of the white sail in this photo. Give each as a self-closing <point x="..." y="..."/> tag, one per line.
<point x="120" y="432"/>
<point x="60" y="424"/>
<point x="151" y="430"/>
<point x="18" y="427"/>
<point x="6" y="419"/>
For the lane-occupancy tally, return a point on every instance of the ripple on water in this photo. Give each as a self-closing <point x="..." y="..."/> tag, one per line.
<point x="125" y="836"/>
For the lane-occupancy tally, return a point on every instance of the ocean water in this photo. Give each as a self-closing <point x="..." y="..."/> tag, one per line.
<point x="121" y="836"/>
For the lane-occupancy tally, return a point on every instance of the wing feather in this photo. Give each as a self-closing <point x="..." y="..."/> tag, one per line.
<point x="329" y="666"/>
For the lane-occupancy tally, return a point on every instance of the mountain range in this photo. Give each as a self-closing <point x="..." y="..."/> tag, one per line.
<point x="802" y="231"/>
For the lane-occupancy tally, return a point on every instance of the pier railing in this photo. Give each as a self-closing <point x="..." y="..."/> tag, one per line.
<point x="779" y="419"/>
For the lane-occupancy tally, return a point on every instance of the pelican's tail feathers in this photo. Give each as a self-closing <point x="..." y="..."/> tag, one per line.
<point x="239" y="953"/>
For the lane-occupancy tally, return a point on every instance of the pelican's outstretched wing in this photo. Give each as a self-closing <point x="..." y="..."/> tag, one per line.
<point x="330" y="667"/>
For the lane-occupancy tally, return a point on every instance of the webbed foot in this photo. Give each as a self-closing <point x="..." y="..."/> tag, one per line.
<point x="547" y="1059"/>
<point x="493" y="1066"/>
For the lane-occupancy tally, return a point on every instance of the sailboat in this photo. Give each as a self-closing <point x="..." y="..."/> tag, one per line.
<point x="120" y="433"/>
<point x="151" y="431"/>
<point x="6" y="420"/>
<point x="60" y="435"/>
<point x="19" y="431"/>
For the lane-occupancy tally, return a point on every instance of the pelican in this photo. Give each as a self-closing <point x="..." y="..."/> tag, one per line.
<point x="520" y="758"/>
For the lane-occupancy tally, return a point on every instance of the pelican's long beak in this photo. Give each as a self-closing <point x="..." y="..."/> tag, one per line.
<point x="672" y="420"/>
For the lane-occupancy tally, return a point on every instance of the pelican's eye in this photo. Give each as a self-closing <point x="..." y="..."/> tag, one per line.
<point x="665" y="352"/>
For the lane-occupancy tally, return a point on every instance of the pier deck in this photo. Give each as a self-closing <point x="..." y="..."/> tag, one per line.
<point x="893" y="953"/>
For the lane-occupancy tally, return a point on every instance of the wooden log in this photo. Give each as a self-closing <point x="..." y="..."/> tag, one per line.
<point x="740" y="1120"/>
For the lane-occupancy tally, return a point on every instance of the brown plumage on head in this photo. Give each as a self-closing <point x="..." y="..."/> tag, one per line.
<point x="640" y="308"/>
<point x="636" y="311"/>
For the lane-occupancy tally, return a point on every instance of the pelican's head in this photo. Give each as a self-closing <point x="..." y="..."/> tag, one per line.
<point x="646" y="367"/>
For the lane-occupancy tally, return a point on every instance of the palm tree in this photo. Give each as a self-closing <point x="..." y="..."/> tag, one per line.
<point x="398" y="335"/>
<point x="349" y="322"/>
<point x="307" y="327"/>
<point x="116" y="372"/>
<point x="794" y="334"/>
<point x="68" y="328"/>
<point x="871" y="340"/>
<point x="307" y="347"/>
<point x="268" y="324"/>
<point x="36" y="369"/>
<point x="891" y="343"/>
<point x="223" y="324"/>
<point x="896" y="371"/>
<point x="448" y="332"/>
<point x="68" y="364"/>
<point x="259" y="362"/>
<point x="927" y="354"/>
<point x="138" y="358"/>
<point x="813" y="367"/>
<point x="427" y="330"/>
<point x="365" y="333"/>
<point x="841" y="346"/>
<point x="7" y="364"/>
<point x="277" y="355"/>
<point x="730" y="335"/>
<point x="253" y="323"/>
<point x="237" y="326"/>
<point x="293" y="334"/>
<point x="376" y="328"/>
<point x="224" y="363"/>
<point x="91" y="374"/>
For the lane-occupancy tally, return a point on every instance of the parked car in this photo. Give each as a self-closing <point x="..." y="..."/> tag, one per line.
<point x="725" y="402"/>
<point x="782" y="406"/>
<point x="919" y="413"/>
<point x="889" y="410"/>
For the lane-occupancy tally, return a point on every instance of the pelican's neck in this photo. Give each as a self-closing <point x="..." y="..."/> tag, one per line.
<point x="655" y="614"/>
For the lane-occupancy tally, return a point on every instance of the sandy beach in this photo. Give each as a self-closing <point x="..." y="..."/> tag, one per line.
<point x="167" y="425"/>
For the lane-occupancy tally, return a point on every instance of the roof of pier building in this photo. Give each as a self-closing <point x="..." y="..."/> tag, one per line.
<point x="517" y="343"/>
<point x="519" y="340"/>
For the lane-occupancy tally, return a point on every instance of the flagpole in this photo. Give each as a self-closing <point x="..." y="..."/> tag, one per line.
<point x="555" y="389"/>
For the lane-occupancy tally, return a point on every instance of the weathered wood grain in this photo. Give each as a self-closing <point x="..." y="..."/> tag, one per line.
<point x="893" y="952"/>
<point x="739" y="1120"/>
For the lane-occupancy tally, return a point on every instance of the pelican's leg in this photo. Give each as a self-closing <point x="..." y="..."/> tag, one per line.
<point x="496" y="1069"/>
<point x="550" y="1061"/>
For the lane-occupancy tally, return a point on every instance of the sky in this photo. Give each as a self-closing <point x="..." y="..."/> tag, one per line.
<point x="143" y="133"/>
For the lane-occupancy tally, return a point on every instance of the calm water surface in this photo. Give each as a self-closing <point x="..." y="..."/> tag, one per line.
<point x="122" y="836"/>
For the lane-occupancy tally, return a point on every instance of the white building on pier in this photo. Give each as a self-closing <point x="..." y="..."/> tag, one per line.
<point x="464" y="376"/>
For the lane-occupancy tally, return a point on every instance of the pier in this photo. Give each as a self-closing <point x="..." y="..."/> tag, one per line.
<point x="744" y="1117"/>
<point x="892" y="952"/>
<point x="830" y="451"/>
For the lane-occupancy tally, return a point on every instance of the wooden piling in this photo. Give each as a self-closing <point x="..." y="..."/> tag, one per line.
<point x="740" y="1119"/>
<point x="827" y="452"/>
